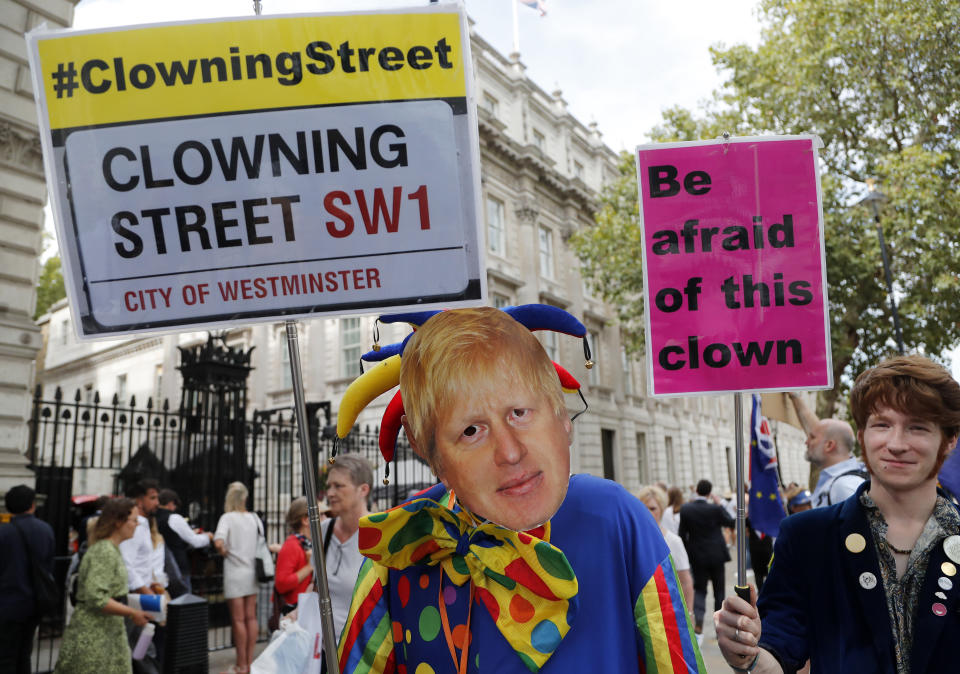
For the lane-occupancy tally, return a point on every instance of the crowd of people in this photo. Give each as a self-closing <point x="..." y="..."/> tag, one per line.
<point x="519" y="565"/>
<point x="139" y="544"/>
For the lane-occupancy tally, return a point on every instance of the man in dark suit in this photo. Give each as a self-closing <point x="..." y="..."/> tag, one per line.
<point x="18" y="610"/>
<point x="701" y="523"/>
<point x="869" y="584"/>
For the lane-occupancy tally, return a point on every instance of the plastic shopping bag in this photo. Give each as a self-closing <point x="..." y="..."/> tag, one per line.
<point x="308" y="618"/>
<point x="289" y="653"/>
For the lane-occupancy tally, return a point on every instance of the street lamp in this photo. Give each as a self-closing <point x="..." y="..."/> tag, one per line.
<point x="875" y="197"/>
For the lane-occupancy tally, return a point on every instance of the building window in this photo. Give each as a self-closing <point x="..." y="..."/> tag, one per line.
<point x="578" y="170"/>
<point x="350" y="347"/>
<point x="642" y="464"/>
<point x="712" y="460"/>
<point x="550" y="344"/>
<point x="595" y="353"/>
<point x="158" y="382"/>
<point x="671" y="463"/>
<point x="491" y="104"/>
<point x="694" y="470"/>
<point x="495" y="225"/>
<point x="606" y="442"/>
<point x="122" y="386"/>
<point x="731" y="466"/>
<point x="539" y="141"/>
<point x="284" y="463"/>
<point x="546" y="252"/>
<point x="286" y="380"/>
<point x="500" y="301"/>
<point x="627" y="371"/>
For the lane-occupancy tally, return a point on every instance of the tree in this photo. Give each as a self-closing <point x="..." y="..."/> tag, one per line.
<point x="50" y="287"/>
<point x="877" y="82"/>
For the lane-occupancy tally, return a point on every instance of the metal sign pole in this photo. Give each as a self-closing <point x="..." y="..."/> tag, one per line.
<point x="310" y="480"/>
<point x="741" y="588"/>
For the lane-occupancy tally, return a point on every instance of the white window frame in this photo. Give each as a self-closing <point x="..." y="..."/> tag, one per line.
<point x="545" y="252"/>
<point x="350" y="346"/>
<point x="283" y="352"/>
<point x="496" y="225"/>
<point x="551" y="345"/>
<point x="671" y="460"/>
<point x="539" y="141"/>
<point x="122" y="386"/>
<point x="490" y="103"/>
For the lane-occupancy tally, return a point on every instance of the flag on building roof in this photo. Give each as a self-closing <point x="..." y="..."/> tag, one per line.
<point x="540" y="5"/>
<point x="765" y="507"/>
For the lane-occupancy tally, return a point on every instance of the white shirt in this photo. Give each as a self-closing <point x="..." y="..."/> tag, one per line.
<point x="186" y="534"/>
<point x="841" y="488"/>
<point x="670" y="520"/>
<point x="157" y="558"/>
<point x="343" y="565"/>
<point x="677" y="550"/>
<point x="137" y="553"/>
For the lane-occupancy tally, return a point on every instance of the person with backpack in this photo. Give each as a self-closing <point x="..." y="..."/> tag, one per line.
<point x="830" y="445"/>
<point x="26" y="542"/>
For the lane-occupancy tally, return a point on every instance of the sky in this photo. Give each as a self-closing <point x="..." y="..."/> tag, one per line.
<point x="618" y="62"/>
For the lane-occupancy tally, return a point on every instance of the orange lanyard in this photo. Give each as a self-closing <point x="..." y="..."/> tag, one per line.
<point x="462" y="668"/>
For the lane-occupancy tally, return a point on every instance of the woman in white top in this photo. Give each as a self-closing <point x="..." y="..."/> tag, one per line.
<point x="236" y="540"/>
<point x="656" y="501"/>
<point x="671" y="513"/>
<point x="157" y="558"/>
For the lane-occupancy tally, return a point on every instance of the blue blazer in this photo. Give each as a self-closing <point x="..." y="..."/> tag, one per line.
<point x="813" y="603"/>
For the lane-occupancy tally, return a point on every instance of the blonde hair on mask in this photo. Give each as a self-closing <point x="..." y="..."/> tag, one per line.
<point x="469" y="353"/>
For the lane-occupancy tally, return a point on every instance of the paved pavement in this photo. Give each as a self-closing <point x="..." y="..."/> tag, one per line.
<point x="220" y="661"/>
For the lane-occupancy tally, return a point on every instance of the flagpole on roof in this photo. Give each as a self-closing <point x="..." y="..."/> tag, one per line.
<point x="516" y="27"/>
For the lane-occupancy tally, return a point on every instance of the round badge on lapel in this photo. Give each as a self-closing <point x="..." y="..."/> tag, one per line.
<point x="940" y="595"/>
<point x="939" y="609"/>
<point x="868" y="581"/>
<point x="951" y="546"/>
<point x="948" y="569"/>
<point x="945" y="582"/>
<point x="856" y="543"/>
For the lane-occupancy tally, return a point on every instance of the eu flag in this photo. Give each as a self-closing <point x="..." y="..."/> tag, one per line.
<point x="765" y="507"/>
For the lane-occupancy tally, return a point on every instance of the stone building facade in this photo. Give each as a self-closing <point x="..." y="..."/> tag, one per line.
<point x="542" y="171"/>
<point x="22" y="196"/>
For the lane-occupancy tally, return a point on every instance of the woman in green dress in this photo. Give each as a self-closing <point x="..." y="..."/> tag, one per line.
<point x="95" y="639"/>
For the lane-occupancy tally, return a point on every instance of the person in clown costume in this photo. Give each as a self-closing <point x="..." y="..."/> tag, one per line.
<point x="510" y="564"/>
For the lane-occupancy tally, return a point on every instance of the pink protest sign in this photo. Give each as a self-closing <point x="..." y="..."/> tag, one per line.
<point x="735" y="281"/>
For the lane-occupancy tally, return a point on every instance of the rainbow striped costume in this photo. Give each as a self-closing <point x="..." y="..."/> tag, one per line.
<point x="628" y="614"/>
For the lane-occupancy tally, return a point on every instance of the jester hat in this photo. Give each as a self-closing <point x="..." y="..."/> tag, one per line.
<point x="385" y="375"/>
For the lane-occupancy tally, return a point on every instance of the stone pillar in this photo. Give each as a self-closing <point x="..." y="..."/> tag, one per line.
<point x="22" y="196"/>
<point x="527" y="212"/>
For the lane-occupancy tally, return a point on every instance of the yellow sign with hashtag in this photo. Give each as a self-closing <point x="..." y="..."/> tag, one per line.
<point x="183" y="70"/>
<point x="218" y="172"/>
